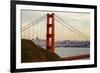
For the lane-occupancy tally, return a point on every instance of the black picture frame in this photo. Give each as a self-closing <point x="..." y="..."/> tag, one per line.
<point x="13" y="35"/>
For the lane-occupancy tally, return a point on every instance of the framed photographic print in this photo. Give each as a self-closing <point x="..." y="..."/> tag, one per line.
<point x="52" y="36"/>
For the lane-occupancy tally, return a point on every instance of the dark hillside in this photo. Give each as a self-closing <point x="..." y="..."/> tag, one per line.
<point x="30" y="52"/>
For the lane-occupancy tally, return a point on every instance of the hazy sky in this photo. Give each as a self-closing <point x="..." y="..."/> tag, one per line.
<point x="80" y="21"/>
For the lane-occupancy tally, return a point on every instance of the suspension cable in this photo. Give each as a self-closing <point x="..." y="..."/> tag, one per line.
<point x="26" y="27"/>
<point x="72" y="27"/>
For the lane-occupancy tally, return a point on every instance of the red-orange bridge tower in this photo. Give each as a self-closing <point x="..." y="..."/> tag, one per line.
<point x="50" y="37"/>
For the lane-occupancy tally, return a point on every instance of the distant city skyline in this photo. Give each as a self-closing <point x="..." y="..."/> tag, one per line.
<point x="81" y="21"/>
<point x="65" y="43"/>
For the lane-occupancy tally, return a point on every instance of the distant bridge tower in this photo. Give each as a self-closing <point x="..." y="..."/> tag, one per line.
<point x="50" y="37"/>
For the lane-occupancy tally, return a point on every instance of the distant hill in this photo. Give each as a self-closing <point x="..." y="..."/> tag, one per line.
<point x="30" y="52"/>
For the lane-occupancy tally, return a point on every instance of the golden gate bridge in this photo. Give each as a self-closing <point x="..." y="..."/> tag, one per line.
<point x="50" y="34"/>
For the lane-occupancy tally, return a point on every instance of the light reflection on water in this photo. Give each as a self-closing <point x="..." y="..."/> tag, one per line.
<point x="71" y="51"/>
